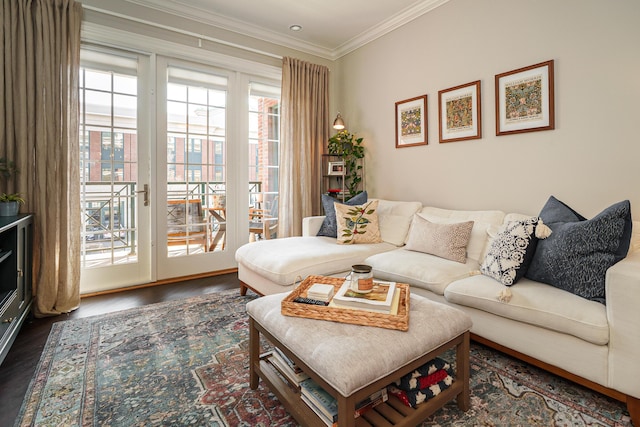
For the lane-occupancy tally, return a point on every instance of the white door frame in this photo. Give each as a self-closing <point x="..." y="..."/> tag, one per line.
<point x="126" y="274"/>
<point x="203" y="262"/>
<point x="155" y="269"/>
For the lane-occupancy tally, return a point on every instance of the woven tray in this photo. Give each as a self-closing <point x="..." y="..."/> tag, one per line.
<point x="398" y="321"/>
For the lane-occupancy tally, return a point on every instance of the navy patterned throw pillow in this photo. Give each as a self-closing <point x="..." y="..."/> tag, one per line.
<point x="329" y="227"/>
<point x="578" y="252"/>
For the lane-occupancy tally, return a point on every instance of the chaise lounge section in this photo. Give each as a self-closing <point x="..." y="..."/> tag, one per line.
<point x="591" y="343"/>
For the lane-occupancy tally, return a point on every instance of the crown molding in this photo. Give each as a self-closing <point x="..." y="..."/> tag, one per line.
<point x="394" y="22"/>
<point x="240" y="27"/>
<point x="235" y="25"/>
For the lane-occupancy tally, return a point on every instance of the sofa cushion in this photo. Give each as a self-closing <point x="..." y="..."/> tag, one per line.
<point x="395" y="219"/>
<point x="511" y="251"/>
<point x="329" y="227"/>
<point x="536" y="304"/>
<point x="283" y="260"/>
<point x="482" y="221"/>
<point x="419" y="269"/>
<point x="579" y="251"/>
<point x="358" y="224"/>
<point x="448" y="241"/>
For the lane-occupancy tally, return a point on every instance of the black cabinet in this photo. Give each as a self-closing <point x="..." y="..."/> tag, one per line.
<point x="16" y="259"/>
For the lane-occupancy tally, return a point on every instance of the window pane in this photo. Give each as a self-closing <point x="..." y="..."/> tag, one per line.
<point x="125" y="84"/>
<point x="263" y="142"/>
<point x="198" y="119"/>
<point x="125" y="110"/>
<point x="176" y="116"/>
<point x="217" y="98"/>
<point x="217" y="121"/>
<point x="195" y="154"/>
<point x="197" y="95"/>
<point x="97" y="108"/>
<point x="176" y="92"/>
<point x="98" y="80"/>
<point x="108" y="143"/>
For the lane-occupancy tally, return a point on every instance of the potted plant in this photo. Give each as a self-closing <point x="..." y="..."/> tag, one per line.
<point x="9" y="202"/>
<point x="346" y="145"/>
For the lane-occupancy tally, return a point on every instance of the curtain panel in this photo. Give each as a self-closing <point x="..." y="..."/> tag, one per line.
<point x="304" y="132"/>
<point x="39" y="132"/>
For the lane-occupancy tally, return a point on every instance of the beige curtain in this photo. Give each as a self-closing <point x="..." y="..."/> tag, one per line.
<point x="304" y="126"/>
<point x="39" y="131"/>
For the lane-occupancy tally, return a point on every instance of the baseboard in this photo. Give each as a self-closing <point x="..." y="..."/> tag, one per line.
<point x="162" y="282"/>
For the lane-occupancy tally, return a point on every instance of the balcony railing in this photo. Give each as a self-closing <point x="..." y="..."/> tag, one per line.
<point x="109" y="210"/>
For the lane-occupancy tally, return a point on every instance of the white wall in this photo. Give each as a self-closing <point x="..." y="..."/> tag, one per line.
<point x="589" y="161"/>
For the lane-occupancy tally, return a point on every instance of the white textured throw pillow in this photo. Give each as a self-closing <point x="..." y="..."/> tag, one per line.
<point x="512" y="249"/>
<point x="447" y="241"/>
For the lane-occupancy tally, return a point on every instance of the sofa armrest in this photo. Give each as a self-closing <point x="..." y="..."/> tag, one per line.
<point x="311" y="225"/>
<point x="623" y="314"/>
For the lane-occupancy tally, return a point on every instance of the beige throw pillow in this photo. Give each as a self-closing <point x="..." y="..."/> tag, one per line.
<point x="358" y="224"/>
<point x="447" y="241"/>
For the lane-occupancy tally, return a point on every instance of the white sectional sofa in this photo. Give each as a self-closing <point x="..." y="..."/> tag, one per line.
<point x="591" y="343"/>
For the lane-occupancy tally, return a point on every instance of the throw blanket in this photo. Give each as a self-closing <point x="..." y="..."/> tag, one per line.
<point x="426" y="382"/>
<point x="419" y="378"/>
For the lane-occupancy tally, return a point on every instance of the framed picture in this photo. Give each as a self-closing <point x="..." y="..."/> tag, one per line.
<point x="336" y="168"/>
<point x="411" y="122"/>
<point x="460" y="113"/>
<point x="524" y="99"/>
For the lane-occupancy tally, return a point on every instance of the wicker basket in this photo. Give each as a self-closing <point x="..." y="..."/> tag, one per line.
<point x="398" y="321"/>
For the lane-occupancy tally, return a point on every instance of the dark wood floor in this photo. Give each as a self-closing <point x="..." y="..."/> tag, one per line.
<point x="21" y="361"/>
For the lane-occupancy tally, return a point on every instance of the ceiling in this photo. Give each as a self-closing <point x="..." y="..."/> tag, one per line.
<point x="330" y="28"/>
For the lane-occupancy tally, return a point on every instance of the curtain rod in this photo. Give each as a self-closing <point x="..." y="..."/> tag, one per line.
<point x="200" y="37"/>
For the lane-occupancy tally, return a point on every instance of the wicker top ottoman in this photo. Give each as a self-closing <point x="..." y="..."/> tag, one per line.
<point x="348" y="357"/>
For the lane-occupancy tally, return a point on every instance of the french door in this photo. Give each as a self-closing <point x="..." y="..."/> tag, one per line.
<point x="166" y="191"/>
<point x="197" y="204"/>
<point x="114" y="170"/>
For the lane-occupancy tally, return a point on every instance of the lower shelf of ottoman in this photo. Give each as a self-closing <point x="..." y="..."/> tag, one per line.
<point x="391" y="413"/>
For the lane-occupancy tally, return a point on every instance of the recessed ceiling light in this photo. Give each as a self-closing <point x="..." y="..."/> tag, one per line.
<point x="295" y="27"/>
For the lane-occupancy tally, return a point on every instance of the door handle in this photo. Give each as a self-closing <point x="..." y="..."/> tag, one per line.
<point x="145" y="190"/>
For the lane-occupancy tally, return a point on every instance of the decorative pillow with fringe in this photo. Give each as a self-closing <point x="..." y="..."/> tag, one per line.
<point x="512" y="250"/>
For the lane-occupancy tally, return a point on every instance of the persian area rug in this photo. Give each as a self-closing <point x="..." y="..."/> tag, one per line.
<point x="186" y="363"/>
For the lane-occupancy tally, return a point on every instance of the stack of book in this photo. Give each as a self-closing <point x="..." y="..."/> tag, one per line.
<point x="384" y="298"/>
<point x="372" y="401"/>
<point x="326" y="406"/>
<point x="320" y="292"/>
<point x="287" y="367"/>
<point x="321" y="402"/>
